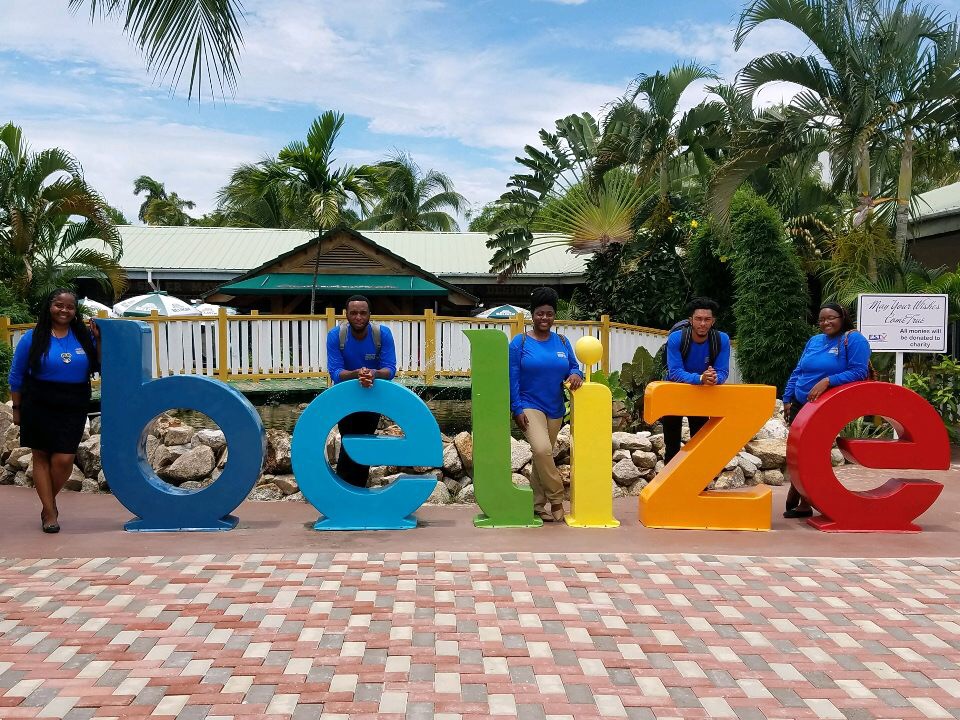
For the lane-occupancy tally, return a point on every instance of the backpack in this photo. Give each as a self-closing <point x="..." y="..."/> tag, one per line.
<point x="374" y="330"/>
<point x="871" y="371"/>
<point x="686" y="340"/>
<point x="563" y="341"/>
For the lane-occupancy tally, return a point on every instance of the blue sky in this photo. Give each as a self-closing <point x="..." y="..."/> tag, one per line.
<point x="460" y="85"/>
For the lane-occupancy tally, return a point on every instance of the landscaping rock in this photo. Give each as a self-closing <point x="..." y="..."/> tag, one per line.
<point x="561" y="451"/>
<point x="266" y="492"/>
<point x="658" y="445"/>
<point x="729" y="479"/>
<point x="454" y="486"/>
<point x="332" y="447"/>
<point x="464" y="444"/>
<point x="466" y="495"/>
<point x="452" y="464"/>
<point x="630" y="441"/>
<point x="564" y="471"/>
<point x="102" y="482"/>
<point x="287" y="484"/>
<point x="164" y="457"/>
<point x="89" y="485"/>
<point x="836" y="457"/>
<point x="619" y="455"/>
<point x="772" y="477"/>
<point x="277" y="458"/>
<point x="75" y="481"/>
<point x="439" y="496"/>
<point x="625" y="472"/>
<point x="774" y="429"/>
<point x="618" y="492"/>
<point x="643" y="459"/>
<point x="520" y="454"/>
<point x="88" y="456"/>
<point x="19" y="458"/>
<point x="296" y="497"/>
<point x="22" y="480"/>
<point x="194" y="464"/>
<point x="772" y="452"/>
<point x="150" y="447"/>
<point x="213" y="439"/>
<point x="520" y="480"/>
<point x="178" y="435"/>
<point x="95" y="423"/>
<point x="636" y="488"/>
<point x="10" y="440"/>
<point x="6" y="476"/>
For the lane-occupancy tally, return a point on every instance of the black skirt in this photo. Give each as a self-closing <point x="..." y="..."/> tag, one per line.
<point x="53" y="415"/>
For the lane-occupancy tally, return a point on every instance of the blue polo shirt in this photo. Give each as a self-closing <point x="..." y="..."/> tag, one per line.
<point x="842" y="359"/>
<point x="360" y="353"/>
<point x="537" y="371"/>
<point x="52" y="367"/>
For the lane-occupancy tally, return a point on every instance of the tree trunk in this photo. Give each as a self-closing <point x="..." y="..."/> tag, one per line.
<point x="904" y="191"/>
<point x="316" y="269"/>
<point x="865" y="197"/>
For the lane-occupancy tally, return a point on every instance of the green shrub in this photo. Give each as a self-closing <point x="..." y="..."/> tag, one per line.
<point x="711" y="275"/>
<point x="940" y="387"/>
<point x="771" y="293"/>
<point x="6" y="359"/>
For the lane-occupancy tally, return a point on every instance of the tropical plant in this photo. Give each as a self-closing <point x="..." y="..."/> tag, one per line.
<point x="557" y="200"/>
<point x="301" y="187"/>
<point x="160" y="207"/>
<point x="39" y="194"/>
<point x="413" y="200"/>
<point x="771" y="293"/>
<point x="6" y="360"/>
<point x="940" y="386"/>
<point x="174" y="35"/>
<point x="652" y="137"/>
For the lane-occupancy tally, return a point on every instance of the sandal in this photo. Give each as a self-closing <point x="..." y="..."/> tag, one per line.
<point x="797" y="513"/>
<point x="558" y="513"/>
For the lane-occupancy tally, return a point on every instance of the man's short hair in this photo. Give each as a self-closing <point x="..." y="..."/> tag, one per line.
<point x="703" y="303"/>
<point x="357" y="298"/>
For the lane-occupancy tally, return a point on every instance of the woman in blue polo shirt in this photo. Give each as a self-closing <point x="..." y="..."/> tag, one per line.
<point x="50" y="388"/>
<point x="541" y="361"/>
<point x="837" y="356"/>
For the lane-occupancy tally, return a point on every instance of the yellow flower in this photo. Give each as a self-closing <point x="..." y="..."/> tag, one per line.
<point x="669" y="218"/>
<point x="694" y="224"/>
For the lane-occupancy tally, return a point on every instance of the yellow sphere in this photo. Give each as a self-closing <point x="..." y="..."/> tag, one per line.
<point x="589" y="350"/>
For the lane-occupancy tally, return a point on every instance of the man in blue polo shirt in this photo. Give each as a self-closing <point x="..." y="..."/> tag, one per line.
<point x="696" y="354"/>
<point x="365" y="352"/>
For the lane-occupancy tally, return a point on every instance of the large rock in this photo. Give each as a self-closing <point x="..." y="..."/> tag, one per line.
<point x="836" y="457"/>
<point x="178" y="435"/>
<point x="564" y="471"/>
<point x="454" y="486"/>
<point x="729" y="479"/>
<point x="164" y="457"/>
<point x="618" y="491"/>
<point x="644" y="459"/>
<point x="464" y="444"/>
<point x="625" y="472"/>
<point x="22" y="480"/>
<point x="150" y="447"/>
<point x="287" y="484"/>
<point x="296" y="497"/>
<point x="266" y="492"/>
<point x="772" y="477"/>
<point x="94" y="424"/>
<point x="88" y="456"/>
<point x="636" y="488"/>
<point x="195" y="464"/>
<point x="6" y="418"/>
<point x="213" y="439"/>
<point x="466" y="495"/>
<point x="452" y="464"/>
<point x="631" y="441"/>
<point x="75" y="481"/>
<point x="774" y="429"/>
<point x="619" y="455"/>
<point x="772" y="452"/>
<point x="332" y="448"/>
<point x="8" y="441"/>
<point x="561" y="451"/>
<point x="6" y="476"/>
<point x="520" y="454"/>
<point x="277" y="459"/>
<point x="439" y="496"/>
<point x="102" y="482"/>
<point x="89" y="485"/>
<point x="19" y="457"/>
<point x="657" y="442"/>
<point x="520" y="480"/>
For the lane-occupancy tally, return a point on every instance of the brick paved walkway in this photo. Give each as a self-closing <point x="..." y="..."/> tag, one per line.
<point x="470" y="635"/>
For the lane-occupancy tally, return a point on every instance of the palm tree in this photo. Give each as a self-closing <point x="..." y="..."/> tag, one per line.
<point x="174" y="35"/>
<point x="301" y="187"/>
<point x="411" y="200"/>
<point x="865" y="51"/>
<point x="560" y="197"/>
<point x="38" y="193"/>
<point x="651" y="137"/>
<point x="160" y="207"/>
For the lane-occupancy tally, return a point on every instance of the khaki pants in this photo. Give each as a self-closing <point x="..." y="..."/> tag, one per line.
<point x="545" y="480"/>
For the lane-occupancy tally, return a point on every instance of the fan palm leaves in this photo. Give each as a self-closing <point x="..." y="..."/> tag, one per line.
<point x="555" y="198"/>
<point x="202" y="36"/>
<point x="160" y="207"/>
<point x="39" y="192"/>
<point x="413" y="200"/>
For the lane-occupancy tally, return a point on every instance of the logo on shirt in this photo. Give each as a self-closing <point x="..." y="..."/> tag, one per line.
<point x="834" y="350"/>
<point x="79" y="351"/>
<point x="370" y="356"/>
<point x="562" y="355"/>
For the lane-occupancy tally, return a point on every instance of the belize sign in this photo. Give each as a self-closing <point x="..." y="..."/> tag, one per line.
<point x="675" y="498"/>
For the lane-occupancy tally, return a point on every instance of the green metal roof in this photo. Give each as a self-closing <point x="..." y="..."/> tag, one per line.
<point x="300" y="283"/>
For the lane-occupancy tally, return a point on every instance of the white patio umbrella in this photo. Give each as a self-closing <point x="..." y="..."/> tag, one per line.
<point x="144" y="305"/>
<point x="504" y="312"/>
<point x="211" y="309"/>
<point x="95" y="307"/>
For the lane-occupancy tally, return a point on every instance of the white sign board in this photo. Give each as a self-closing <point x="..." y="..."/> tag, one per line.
<point x="904" y="323"/>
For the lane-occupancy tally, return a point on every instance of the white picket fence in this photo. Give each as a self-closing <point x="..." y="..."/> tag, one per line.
<point x="258" y="347"/>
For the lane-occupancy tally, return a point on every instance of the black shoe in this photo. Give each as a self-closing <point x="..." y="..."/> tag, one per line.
<point x="52" y="527"/>
<point x="796" y="513"/>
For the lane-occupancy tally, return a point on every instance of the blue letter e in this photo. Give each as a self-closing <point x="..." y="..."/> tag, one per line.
<point x="130" y="400"/>
<point x="343" y="506"/>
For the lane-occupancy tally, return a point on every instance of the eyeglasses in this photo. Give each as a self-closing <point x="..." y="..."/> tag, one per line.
<point x="823" y="320"/>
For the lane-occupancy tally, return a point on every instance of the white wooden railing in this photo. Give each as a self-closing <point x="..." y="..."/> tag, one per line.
<point x="257" y="347"/>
